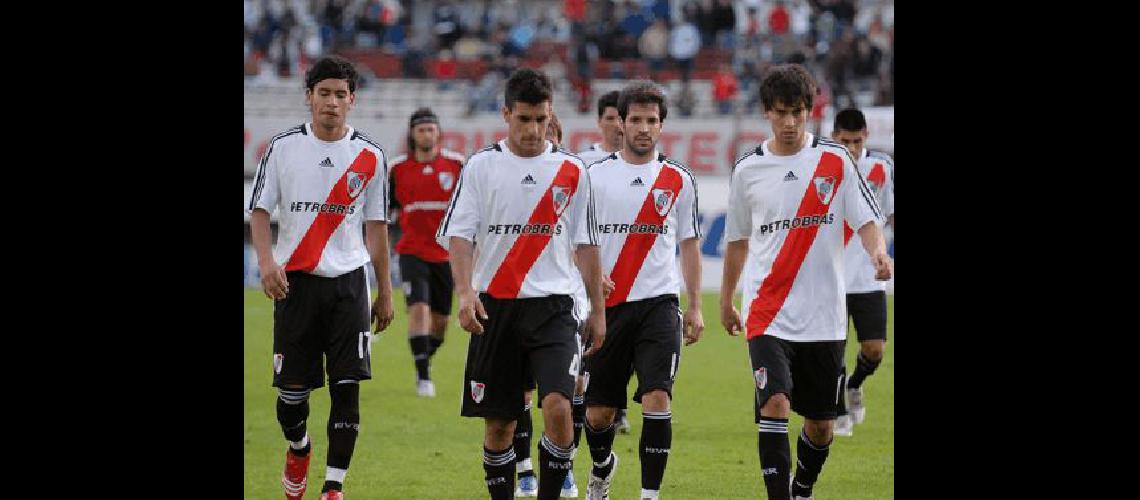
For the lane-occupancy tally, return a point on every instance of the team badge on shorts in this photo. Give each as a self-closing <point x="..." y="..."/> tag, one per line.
<point x="824" y="188"/>
<point x="477" y="391"/>
<point x="761" y="376"/>
<point x="560" y="195"/>
<point x="278" y="360"/>
<point x="662" y="200"/>
<point x="355" y="183"/>
<point x="446" y="180"/>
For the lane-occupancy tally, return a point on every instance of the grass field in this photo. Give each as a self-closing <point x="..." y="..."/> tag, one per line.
<point x="414" y="448"/>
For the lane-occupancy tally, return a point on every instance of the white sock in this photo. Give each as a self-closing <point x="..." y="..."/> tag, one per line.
<point x="298" y="445"/>
<point x="648" y="493"/>
<point x="605" y="462"/>
<point x="335" y="474"/>
<point x="523" y="466"/>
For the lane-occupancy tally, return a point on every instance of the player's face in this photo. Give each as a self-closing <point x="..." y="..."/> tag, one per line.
<point x="854" y="141"/>
<point x="610" y="125"/>
<point x="642" y="127"/>
<point x="788" y="123"/>
<point x="330" y="101"/>
<point x="426" y="136"/>
<point x="526" y="127"/>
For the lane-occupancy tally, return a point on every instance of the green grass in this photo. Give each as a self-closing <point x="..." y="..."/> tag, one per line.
<point x="413" y="448"/>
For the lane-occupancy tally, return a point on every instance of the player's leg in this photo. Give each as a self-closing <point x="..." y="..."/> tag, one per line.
<point x="297" y="370"/>
<point x="817" y="371"/>
<point x="773" y="377"/>
<point x="550" y="343"/>
<point x="608" y="372"/>
<point x="349" y="352"/>
<point x="656" y="357"/>
<point x="869" y="313"/>
<point x="577" y="415"/>
<point x="415" y="274"/>
<point x="493" y="390"/>
<point x="524" y="430"/>
<point x="441" y="292"/>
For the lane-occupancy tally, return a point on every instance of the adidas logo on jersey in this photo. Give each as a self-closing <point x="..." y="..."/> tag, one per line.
<point x="528" y="180"/>
<point x="791" y="177"/>
<point x="327" y="163"/>
<point x="637" y="182"/>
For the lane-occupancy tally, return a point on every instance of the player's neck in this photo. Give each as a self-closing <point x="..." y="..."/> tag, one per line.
<point x="329" y="134"/>
<point x="610" y="148"/>
<point x="517" y="150"/>
<point x="779" y="149"/>
<point x="425" y="157"/>
<point x="633" y="158"/>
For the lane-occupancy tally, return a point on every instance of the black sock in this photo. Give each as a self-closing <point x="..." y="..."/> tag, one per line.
<point x="863" y="369"/>
<point x="601" y="442"/>
<point x="656" y="440"/>
<point x="498" y="465"/>
<point x="523" y="431"/>
<point x="435" y="343"/>
<point x="420" y="345"/>
<point x="809" y="461"/>
<point x="292" y="413"/>
<point x="555" y="462"/>
<point x="578" y="414"/>
<point x="775" y="456"/>
<point x="343" y="427"/>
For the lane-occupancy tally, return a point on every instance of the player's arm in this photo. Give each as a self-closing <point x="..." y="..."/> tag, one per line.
<point x="738" y="228"/>
<point x="456" y="234"/>
<point x="461" y="254"/>
<point x="693" y="320"/>
<point x="873" y="242"/>
<point x="590" y="265"/>
<point x="862" y="211"/>
<point x="376" y="240"/>
<point x="273" y="280"/>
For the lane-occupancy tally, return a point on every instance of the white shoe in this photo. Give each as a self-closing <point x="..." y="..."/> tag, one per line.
<point x="569" y="489"/>
<point x="425" y="388"/>
<point x="844" y="426"/>
<point x="855" y="405"/>
<point x="599" y="488"/>
<point x="623" y="424"/>
<point x="528" y="487"/>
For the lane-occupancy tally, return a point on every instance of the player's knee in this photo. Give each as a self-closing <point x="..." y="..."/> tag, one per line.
<point x="819" y="431"/>
<point x="655" y="400"/>
<point x="499" y="433"/>
<point x="600" y="417"/>
<point x="777" y="405"/>
<point x="438" y="325"/>
<point x="873" y="350"/>
<point x="293" y="396"/>
<point x="292" y="406"/>
<point x="555" y="404"/>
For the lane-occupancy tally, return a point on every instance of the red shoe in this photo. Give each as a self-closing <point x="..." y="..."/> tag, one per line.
<point x="295" y="478"/>
<point x="332" y="495"/>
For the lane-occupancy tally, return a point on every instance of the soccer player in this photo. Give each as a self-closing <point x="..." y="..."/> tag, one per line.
<point x="324" y="179"/>
<point x="646" y="205"/>
<point x="524" y="203"/>
<point x="788" y="201"/>
<point x="609" y="123"/>
<point x="866" y="297"/>
<point x="421" y="186"/>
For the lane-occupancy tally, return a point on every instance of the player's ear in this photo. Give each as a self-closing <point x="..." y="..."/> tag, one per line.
<point x="506" y="114"/>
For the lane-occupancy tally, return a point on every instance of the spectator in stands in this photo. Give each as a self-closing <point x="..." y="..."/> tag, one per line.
<point x="368" y="22"/>
<point x="867" y="59"/>
<point x="684" y="43"/>
<point x="839" y="62"/>
<point x="724" y="16"/>
<point x="686" y="100"/>
<point x="654" y="45"/>
<point x="778" y="20"/>
<point x="445" y="70"/>
<point x="706" y="22"/>
<point x="800" y="20"/>
<point x="446" y="23"/>
<point x="636" y="20"/>
<point x="752" y="28"/>
<point x="724" y="88"/>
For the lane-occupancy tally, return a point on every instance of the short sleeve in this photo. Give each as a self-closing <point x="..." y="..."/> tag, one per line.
<point x="464" y="212"/>
<point x="266" y="184"/>
<point x="581" y="212"/>
<point x="376" y="195"/>
<point x="888" y="202"/>
<point x="859" y="206"/>
<point x="689" y="225"/>
<point x="738" y="223"/>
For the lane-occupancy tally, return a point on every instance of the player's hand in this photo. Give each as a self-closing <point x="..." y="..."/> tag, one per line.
<point x="730" y="319"/>
<point x="273" y="281"/>
<point x="470" y="312"/>
<point x="884" y="267"/>
<point x="607" y="286"/>
<point x="694" y="323"/>
<point x="382" y="312"/>
<point x="594" y="333"/>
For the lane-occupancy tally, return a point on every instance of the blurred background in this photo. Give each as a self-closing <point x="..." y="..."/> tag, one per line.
<point x="708" y="55"/>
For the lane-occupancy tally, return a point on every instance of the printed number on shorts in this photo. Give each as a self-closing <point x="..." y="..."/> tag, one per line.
<point x="574" y="365"/>
<point x="364" y="343"/>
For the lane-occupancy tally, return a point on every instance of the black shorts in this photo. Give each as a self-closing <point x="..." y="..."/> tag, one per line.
<point x="642" y="337"/>
<point x="322" y="316"/>
<point x="528" y="374"/>
<point x="519" y="336"/>
<point x="810" y="374"/>
<point x="869" y="313"/>
<point x="427" y="282"/>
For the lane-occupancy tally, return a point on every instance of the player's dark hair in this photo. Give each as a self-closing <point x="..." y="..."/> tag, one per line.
<point x="527" y="85"/>
<point x="335" y="67"/>
<point x="422" y="115"/>
<point x="790" y="84"/>
<point x="642" y="92"/>
<point x="609" y="99"/>
<point x="851" y="120"/>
